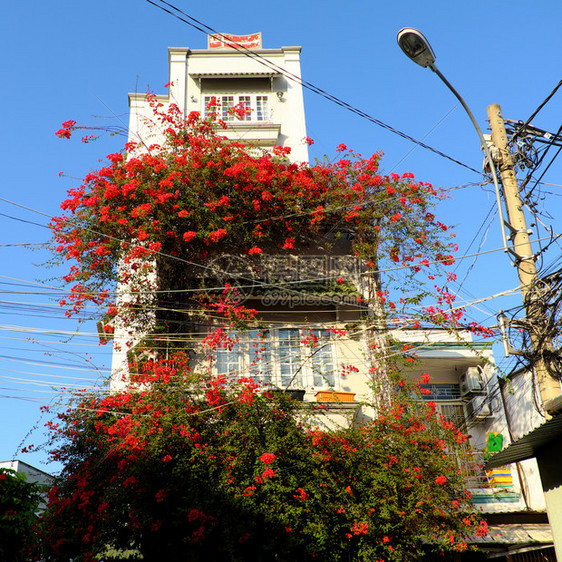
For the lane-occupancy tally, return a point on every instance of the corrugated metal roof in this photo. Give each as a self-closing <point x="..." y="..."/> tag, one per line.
<point x="516" y="535"/>
<point x="526" y="447"/>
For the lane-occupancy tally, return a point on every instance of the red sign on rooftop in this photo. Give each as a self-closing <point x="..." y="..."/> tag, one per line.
<point x="226" y="40"/>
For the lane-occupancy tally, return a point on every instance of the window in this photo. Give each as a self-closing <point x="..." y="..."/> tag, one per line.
<point x="258" y="107"/>
<point x="285" y="357"/>
<point x="322" y="358"/>
<point x="227" y="361"/>
<point x="290" y="360"/>
<point x="262" y="108"/>
<point x="246" y="103"/>
<point x="227" y="103"/>
<point x="447" y="398"/>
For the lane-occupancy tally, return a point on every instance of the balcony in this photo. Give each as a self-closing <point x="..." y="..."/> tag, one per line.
<point x="494" y="491"/>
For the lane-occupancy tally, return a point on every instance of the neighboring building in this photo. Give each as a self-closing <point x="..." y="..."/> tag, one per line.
<point x="311" y="342"/>
<point x="534" y="452"/>
<point x="494" y="412"/>
<point x="33" y="475"/>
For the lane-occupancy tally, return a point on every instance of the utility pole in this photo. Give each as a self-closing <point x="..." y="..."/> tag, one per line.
<point x="524" y="259"/>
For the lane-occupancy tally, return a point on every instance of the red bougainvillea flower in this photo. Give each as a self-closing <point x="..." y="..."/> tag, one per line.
<point x="360" y="528"/>
<point x="66" y="130"/>
<point x="300" y="495"/>
<point x="268" y="458"/>
<point x="169" y="212"/>
<point x="268" y="473"/>
<point x="216" y="235"/>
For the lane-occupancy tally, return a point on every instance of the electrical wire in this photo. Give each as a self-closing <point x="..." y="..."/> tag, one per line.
<point x="204" y="28"/>
<point x="542" y="104"/>
<point x="253" y="281"/>
<point x="42" y="225"/>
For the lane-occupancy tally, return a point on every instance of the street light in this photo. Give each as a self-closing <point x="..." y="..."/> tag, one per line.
<point x="417" y="48"/>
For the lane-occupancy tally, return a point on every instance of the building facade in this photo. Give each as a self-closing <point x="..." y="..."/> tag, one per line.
<point x="309" y="339"/>
<point x="265" y="81"/>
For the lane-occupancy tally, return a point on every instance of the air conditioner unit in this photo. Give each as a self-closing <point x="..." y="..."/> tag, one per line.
<point x="478" y="409"/>
<point x="472" y="382"/>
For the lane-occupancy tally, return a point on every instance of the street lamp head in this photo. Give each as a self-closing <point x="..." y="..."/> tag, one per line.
<point x="416" y="47"/>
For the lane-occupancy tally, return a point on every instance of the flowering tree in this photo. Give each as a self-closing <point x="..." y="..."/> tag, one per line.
<point x="216" y="470"/>
<point x="196" y="196"/>
<point x="208" y="468"/>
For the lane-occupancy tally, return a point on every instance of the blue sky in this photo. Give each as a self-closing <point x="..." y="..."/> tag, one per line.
<point x="75" y="60"/>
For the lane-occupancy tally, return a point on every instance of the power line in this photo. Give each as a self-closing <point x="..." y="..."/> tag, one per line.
<point x="253" y="282"/>
<point x="24" y="244"/>
<point x="204" y="28"/>
<point x="545" y="101"/>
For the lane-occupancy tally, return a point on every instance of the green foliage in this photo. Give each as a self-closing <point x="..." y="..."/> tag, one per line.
<point x="19" y="501"/>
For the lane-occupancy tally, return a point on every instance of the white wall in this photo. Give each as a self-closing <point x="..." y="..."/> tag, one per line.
<point x="186" y="68"/>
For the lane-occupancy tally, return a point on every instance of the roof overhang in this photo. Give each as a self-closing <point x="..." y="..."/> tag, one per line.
<point x="203" y="75"/>
<point x="514" y="538"/>
<point x="258" y="134"/>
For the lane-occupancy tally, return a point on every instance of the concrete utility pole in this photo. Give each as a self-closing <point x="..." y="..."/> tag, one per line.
<point x="524" y="258"/>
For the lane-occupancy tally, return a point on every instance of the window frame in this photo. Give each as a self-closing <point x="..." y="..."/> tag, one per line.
<point x="308" y="360"/>
<point x="260" y="111"/>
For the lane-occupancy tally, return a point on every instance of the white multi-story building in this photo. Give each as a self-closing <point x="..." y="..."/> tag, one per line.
<point x="266" y="82"/>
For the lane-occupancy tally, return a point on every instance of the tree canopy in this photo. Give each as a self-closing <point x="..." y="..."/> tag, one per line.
<point x="203" y="466"/>
<point x="217" y="469"/>
<point x="19" y="502"/>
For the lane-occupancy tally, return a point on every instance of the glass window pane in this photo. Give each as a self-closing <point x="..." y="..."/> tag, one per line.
<point x="290" y="362"/>
<point x="322" y="359"/>
<point x="246" y="103"/>
<point x="228" y="358"/>
<point x="453" y="413"/>
<point x="262" y="108"/>
<point x="260" y="356"/>
<point x="227" y="103"/>
<point x="209" y="106"/>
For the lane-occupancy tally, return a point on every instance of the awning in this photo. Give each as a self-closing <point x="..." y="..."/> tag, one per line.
<point x="517" y="535"/>
<point x="527" y="447"/>
<point x="200" y="75"/>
